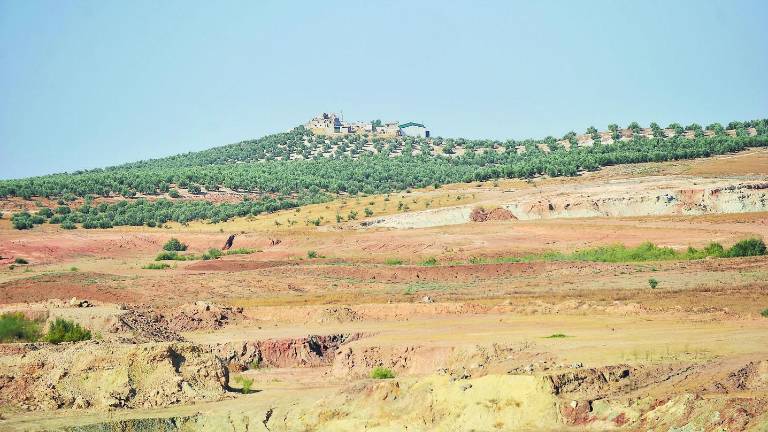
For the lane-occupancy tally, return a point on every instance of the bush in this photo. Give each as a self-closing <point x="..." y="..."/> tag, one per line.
<point x="212" y="253"/>
<point x="748" y="247"/>
<point x="63" y="330"/>
<point x="22" y="221"/>
<point x="156" y="266"/>
<point x="312" y="254"/>
<point x="764" y="313"/>
<point x="15" y="327"/>
<point x="368" y="212"/>
<point x="381" y="373"/>
<point x="653" y="283"/>
<point x="714" y="249"/>
<point x="174" y="245"/>
<point x="556" y="336"/>
<point x="20" y="261"/>
<point x="393" y="261"/>
<point x="68" y="225"/>
<point x="173" y="193"/>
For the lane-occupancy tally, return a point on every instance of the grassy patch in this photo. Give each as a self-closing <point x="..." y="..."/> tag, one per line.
<point x="382" y="373"/>
<point x="212" y="253"/>
<point x="174" y="256"/>
<point x="393" y="261"/>
<point x="156" y="266"/>
<point x="15" y="327"/>
<point x="619" y="253"/>
<point x="556" y="336"/>
<point x="241" y="251"/>
<point x="429" y="262"/>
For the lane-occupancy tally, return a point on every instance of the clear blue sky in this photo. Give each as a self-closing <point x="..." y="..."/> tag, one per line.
<point x="85" y="84"/>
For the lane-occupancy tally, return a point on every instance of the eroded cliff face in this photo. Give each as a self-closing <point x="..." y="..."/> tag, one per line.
<point x="310" y="351"/>
<point x="716" y="198"/>
<point x="646" y="196"/>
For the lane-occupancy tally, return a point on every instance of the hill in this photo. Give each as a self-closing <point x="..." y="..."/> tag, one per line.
<point x="298" y="167"/>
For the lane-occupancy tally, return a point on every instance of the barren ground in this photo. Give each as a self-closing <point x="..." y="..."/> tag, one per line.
<point x="467" y="338"/>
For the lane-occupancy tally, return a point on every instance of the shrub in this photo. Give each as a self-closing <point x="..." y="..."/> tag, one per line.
<point x="653" y="283"/>
<point x="556" y="336"/>
<point x="245" y="383"/>
<point x="352" y="215"/>
<point x="20" y="261"/>
<point x="174" y="245"/>
<point x="212" y="253"/>
<point x="748" y="247"/>
<point x="22" y="221"/>
<point x="381" y="373"/>
<point x="156" y="266"/>
<point x="393" y="261"/>
<point x="63" y="330"/>
<point x="368" y="212"/>
<point x="312" y="254"/>
<point x="15" y="327"/>
<point x="173" y="193"/>
<point x="714" y="249"/>
<point x="764" y="313"/>
<point x="68" y="225"/>
<point x="431" y="261"/>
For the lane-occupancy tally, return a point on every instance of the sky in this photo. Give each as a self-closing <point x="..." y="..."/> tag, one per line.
<point x="86" y="84"/>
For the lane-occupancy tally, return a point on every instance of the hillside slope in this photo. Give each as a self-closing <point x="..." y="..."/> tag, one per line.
<point x="295" y="168"/>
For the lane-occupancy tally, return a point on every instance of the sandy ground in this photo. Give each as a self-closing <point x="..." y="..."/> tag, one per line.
<point x="430" y="323"/>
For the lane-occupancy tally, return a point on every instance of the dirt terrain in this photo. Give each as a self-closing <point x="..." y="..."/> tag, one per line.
<point x="441" y="294"/>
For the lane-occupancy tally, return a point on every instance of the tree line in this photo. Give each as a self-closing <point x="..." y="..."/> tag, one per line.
<point x="285" y="183"/>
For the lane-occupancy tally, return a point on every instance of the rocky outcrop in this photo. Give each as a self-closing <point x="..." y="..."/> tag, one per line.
<point x="310" y="351"/>
<point x="110" y="375"/>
